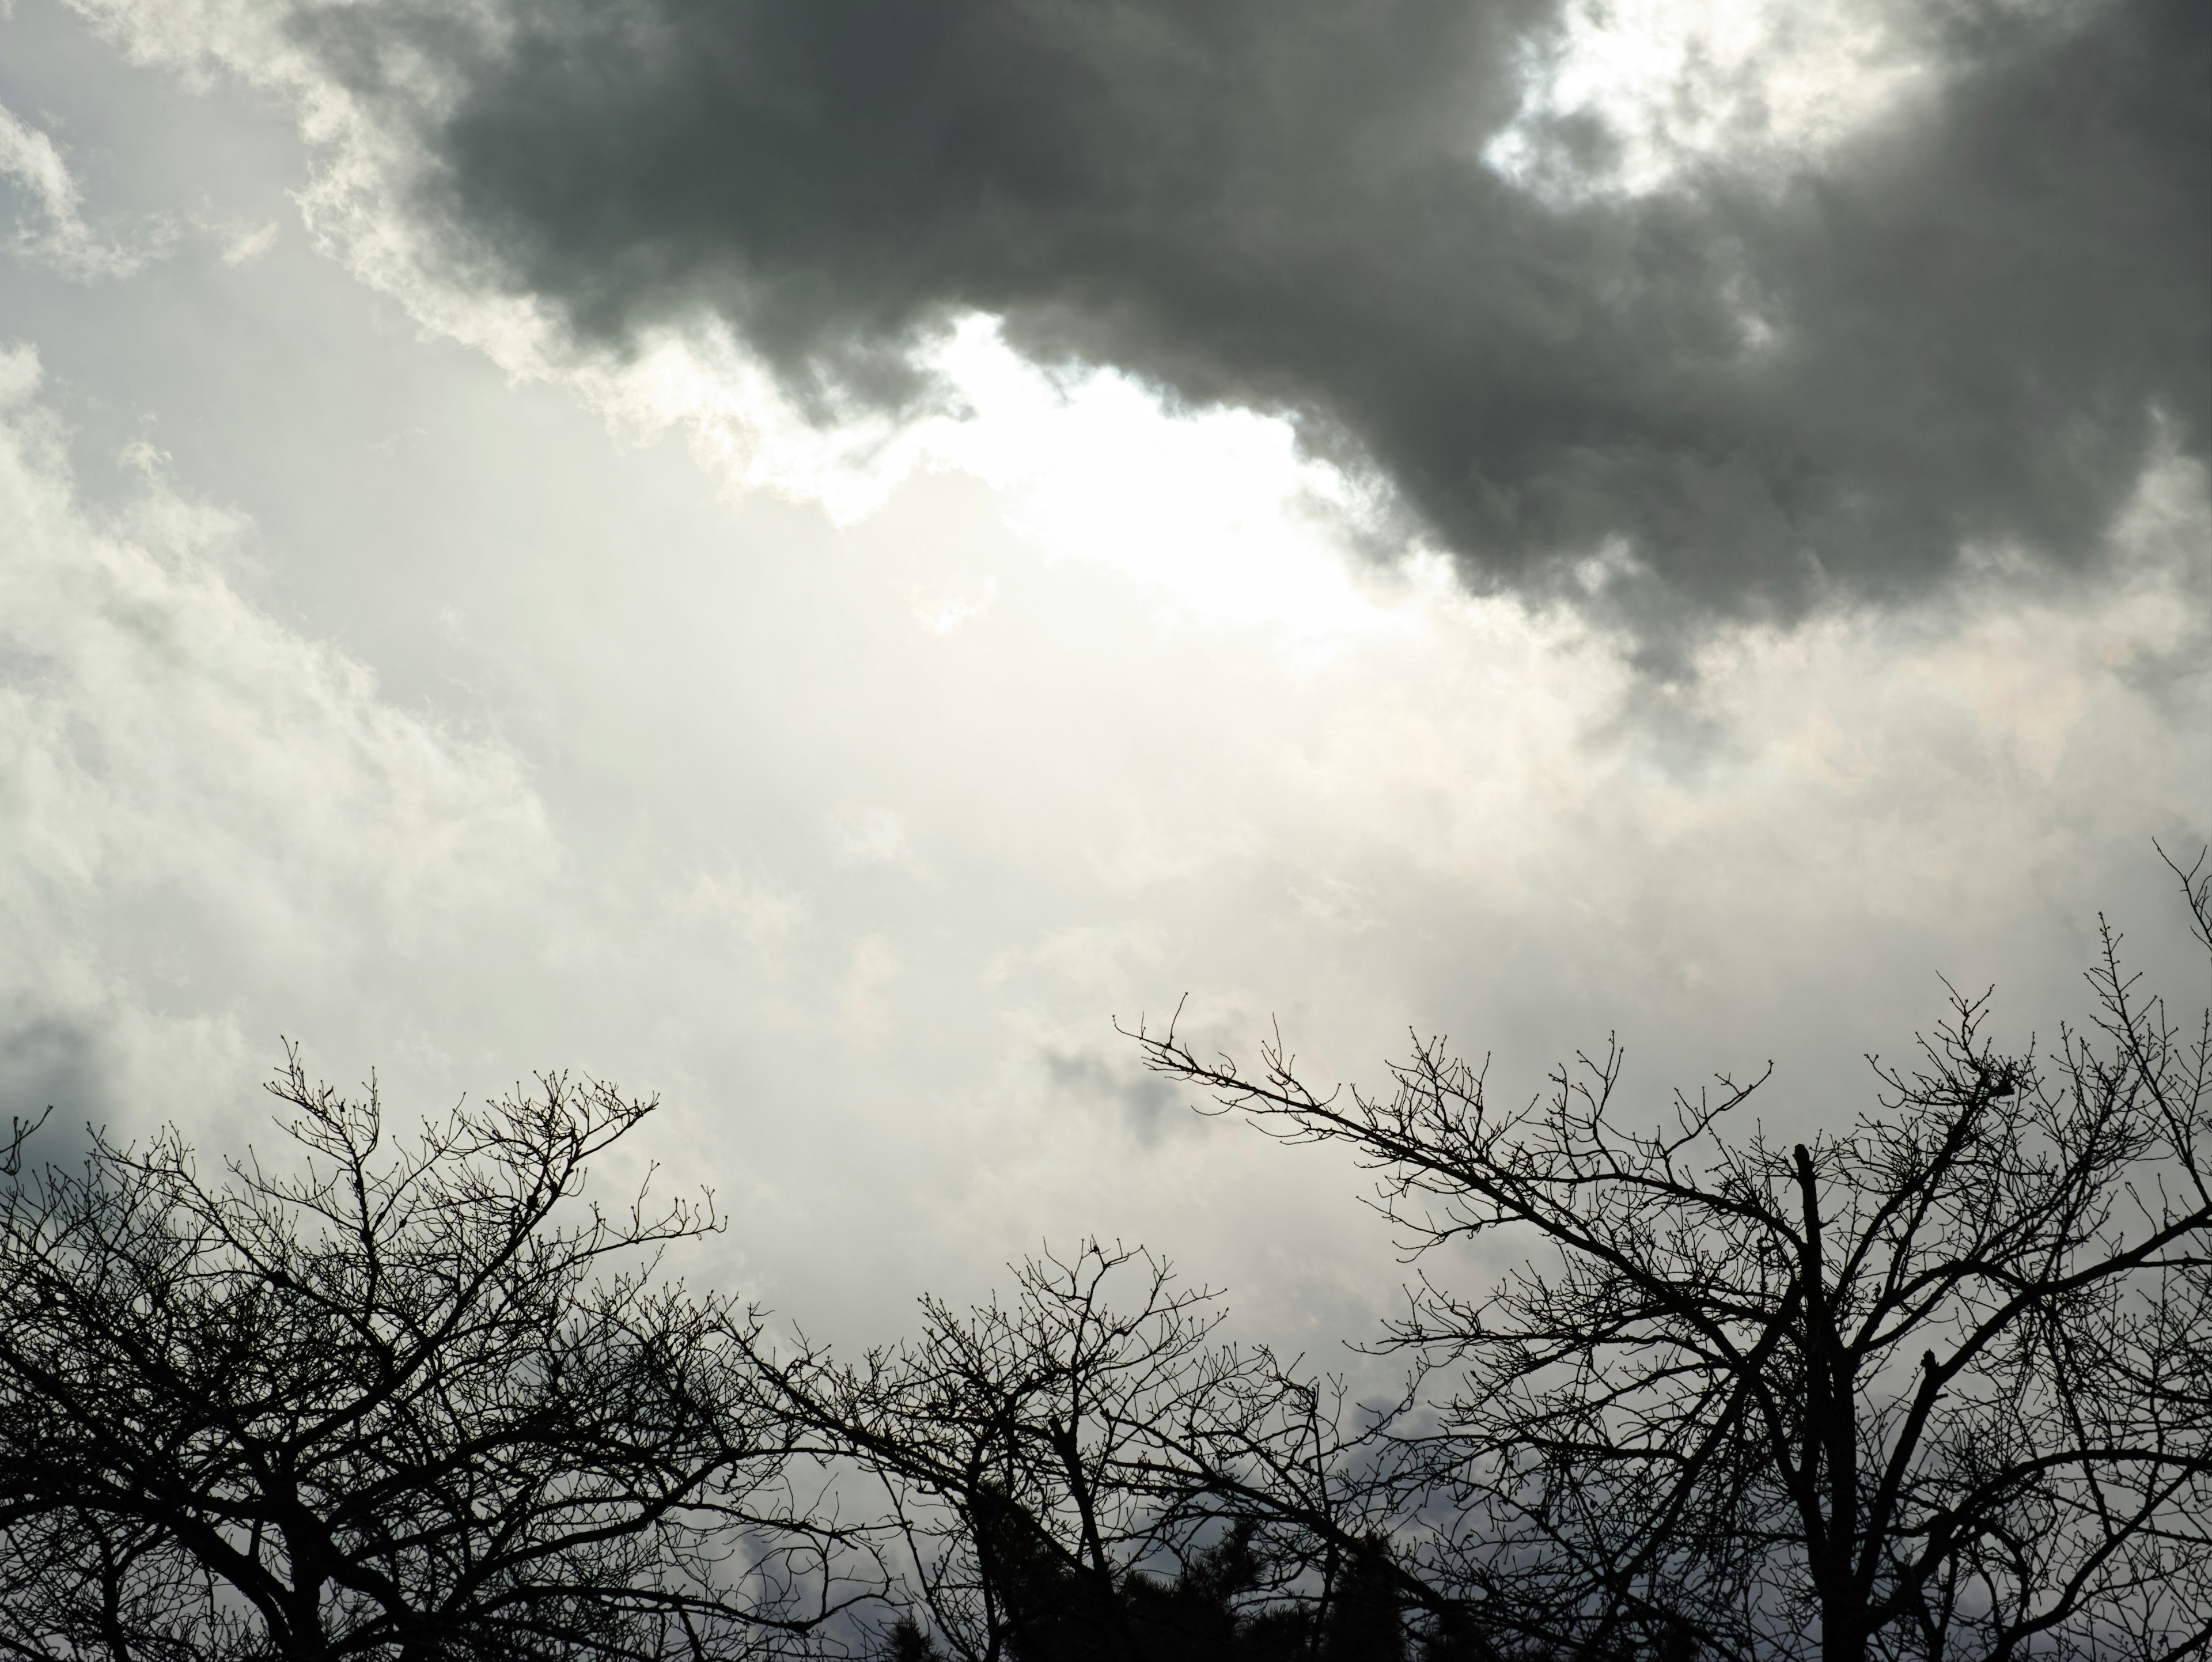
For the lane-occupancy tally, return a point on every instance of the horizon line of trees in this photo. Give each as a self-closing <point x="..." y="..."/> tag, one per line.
<point x="1934" y="1388"/>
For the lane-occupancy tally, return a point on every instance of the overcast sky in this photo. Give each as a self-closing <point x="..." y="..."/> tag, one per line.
<point x="805" y="557"/>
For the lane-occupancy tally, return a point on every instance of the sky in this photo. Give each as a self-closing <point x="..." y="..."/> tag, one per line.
<point x="809" y="558"/>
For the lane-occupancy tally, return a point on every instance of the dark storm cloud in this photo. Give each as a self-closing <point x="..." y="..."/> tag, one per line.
<point x="1977" y="316"/>
<point x="1149" y="1108"/>
<point x="51" y="1069"/>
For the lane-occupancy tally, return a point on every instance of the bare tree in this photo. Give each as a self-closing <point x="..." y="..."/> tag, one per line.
<point x="1938" y="1387"/>
<point x="401" y="1400"/>
<point x="1082" y="1471"/>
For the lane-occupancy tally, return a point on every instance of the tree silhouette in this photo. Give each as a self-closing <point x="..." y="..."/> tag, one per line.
<point x="399" y="1401"/>
<point x="1079" y="1473"/>
<point x="1938" y="1386"/>
<point x="1216" y="1609"/>
<point x="1934" y="1389"/>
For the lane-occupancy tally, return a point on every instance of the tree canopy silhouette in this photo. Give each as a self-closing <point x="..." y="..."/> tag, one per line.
<point x="396" y="1400"/>
<point x="1935" y="1387"/>
<point x="1080" y="1472"/>
<point x="1938" y="1385"/>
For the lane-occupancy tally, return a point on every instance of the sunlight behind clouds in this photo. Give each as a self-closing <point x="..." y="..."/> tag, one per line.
<point x="1760" y="85"/>
<point x="1217" y="510"/>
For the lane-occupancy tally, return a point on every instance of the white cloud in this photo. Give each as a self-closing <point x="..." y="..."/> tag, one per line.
<point x="246" y="247"/>
<point x="869" y="837"/>
<point x="188" y="789"/>
<point x="941" y="612"/>
<point x="868" y="981"/>
<point x="1766" y="85"/>
<point x="55" y="233"/>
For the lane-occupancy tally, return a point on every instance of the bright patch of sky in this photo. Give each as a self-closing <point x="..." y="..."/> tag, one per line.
<point x="1766" y="85"/>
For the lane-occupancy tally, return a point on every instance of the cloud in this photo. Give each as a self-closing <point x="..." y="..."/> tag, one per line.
<point x="247" y="247"/>
<point x="1628" y="95"/>
<point x="195" y="802"/>
<point x="1147" y="1103"/>
<point x="869" y="837"/>
<point x="942" y="612"/>
<point x="1957" y="323"/>
<point x="56" y="235"/>
<point x="868" y="1010"/>
<point x="48" y="1061"/>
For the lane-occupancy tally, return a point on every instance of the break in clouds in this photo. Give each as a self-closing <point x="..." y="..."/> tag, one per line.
<point x="1967" y="324"/>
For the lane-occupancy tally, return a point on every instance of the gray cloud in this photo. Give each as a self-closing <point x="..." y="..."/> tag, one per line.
<point x="1151" y="1109"/>
<point x="52" y="1062"/>
<point x="1970" y="321"/>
